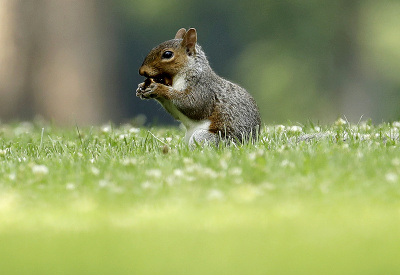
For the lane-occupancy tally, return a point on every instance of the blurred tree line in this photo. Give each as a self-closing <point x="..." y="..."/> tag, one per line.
<point x="77" y="61"/>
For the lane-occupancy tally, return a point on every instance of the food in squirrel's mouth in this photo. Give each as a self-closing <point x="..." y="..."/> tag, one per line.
<point x="159" y="79"/>
<point x="149" y="80"/>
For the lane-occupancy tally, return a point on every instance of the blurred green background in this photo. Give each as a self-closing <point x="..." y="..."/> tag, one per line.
<point x="77" y="61"/>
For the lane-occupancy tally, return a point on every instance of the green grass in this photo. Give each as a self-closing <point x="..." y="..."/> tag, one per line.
<point x="119" y="200"/>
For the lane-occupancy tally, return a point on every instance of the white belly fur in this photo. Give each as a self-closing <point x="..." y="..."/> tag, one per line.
<point x="192" y="126"/>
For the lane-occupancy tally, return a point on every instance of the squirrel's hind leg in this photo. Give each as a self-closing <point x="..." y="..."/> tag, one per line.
<point x="203" y="137"/>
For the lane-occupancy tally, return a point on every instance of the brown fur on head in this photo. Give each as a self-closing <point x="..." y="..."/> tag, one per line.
<point x="168" y="59"/>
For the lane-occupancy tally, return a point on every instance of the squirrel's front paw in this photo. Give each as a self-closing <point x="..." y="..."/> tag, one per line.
<point x="140" y="89"/>
<point x="148" y="92"/>
<point x="145" y="89"/>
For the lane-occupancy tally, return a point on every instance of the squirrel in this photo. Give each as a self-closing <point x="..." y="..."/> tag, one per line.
<point x="178" y="76"/>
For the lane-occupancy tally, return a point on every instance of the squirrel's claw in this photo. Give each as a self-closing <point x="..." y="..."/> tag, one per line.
<point x="140" y="90"/>
<point x="148" y="95"/>
<point x="146" y="92"/>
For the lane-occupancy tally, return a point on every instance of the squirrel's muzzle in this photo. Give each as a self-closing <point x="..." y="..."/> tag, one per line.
<point x="143" y="71"/>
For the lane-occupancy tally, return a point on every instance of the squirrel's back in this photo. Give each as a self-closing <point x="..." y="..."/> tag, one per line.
<point x="236" y="114"/>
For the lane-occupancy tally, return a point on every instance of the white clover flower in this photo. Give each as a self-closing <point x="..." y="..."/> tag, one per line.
<point x="187" y="161"/>
<point x="354" y="127"/>
<point x="3" y="152"/>
<point x="261" y="152"/>
<point x="192" y="168"/>
<point x="223" y="164"/>
<point x="227" y="155"/>
<point x="104" y="183"/>
<point x="269" y="129"/>
<point x="129" y="161"/>
<point x="391" y="177"/>
<point x="70" y="186"/>
<point x="12" y="176"/>
<point x="366" y="137"/>
<point x="95" y="171"/>
<point x="149" y="185"/>
<point x="287" y="163"/>
<point x="40" y="169"/>
<point x="281" y="148"/>
<point x="396" y="162"/>
<point x="252" y="156"/>
<point x="364" y="126"/>
<point x="236" y="171"/>
<point x="215" y="194"/>
<point x="168" y="139"/>
<point x="295" y="129"/>
<point x="123" y="136"/>
<point x="178" y="173"/>
<point x="396" y="124"/>
<point x="155" y="173"/>
<point x="210" y="173"/>
<point x="23" y="128"/>
<point x="279" y="128"/>
<point x="340" y="122"/>
<point x="106" y="128"/>
<point x="134" y="130"/>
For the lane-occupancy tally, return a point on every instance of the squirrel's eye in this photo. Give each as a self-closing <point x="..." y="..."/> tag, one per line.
<point x="167" y="55"/>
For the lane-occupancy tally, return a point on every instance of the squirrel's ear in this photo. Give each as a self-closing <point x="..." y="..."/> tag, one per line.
<point x="180" y="34"/>
<point x="189" y="41"/>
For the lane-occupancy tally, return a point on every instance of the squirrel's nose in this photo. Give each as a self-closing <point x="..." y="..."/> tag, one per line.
<point x="143" y="72"/>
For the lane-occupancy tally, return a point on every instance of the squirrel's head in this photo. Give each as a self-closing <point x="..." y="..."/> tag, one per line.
<point x="170" y="58"/>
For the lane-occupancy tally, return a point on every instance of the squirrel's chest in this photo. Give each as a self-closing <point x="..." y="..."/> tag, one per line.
<point x="191" y="125"/>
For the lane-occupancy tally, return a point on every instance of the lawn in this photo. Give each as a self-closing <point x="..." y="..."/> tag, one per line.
<point x="303" y="199"/>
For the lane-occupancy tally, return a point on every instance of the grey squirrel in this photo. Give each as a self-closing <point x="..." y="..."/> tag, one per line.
<point x="211" y="108"/>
